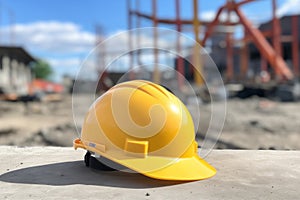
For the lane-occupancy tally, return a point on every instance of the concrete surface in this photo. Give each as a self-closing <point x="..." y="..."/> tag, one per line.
<point x="59" y="173"/>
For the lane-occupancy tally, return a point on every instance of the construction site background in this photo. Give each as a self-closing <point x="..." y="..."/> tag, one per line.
<point x="263" y="65"/>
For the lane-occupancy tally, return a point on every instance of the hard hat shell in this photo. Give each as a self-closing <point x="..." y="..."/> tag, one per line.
<point x="144" y="127"/>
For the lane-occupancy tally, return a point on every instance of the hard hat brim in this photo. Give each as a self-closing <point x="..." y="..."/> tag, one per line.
<point x="164" y="168"/>
<point x="180" y="169"/>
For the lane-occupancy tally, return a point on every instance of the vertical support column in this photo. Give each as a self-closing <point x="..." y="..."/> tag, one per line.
<point x="29" y="74"/>
<point x="21" y="83"/>
<point x="100" y="60"/>
<point x="130" y="45"/>
<point x="276" y="33"/>
<point x="14" y="75"/>
<point x="138" y="39"/>
<point x="229" y="52"/>
<point x="30" y="79"/>
<point x="6" y="71"/>
<point x="180" y="61"/>
<point x="295" y="44"/>
<point x="156" y="74"/>
<point x="197" y="59"/>
<point x="276" y="30"/>
<point x="10" y="77"/>
<point x="229" y="57"/>
<point x="26" y="78"/>
<point x="244" y="60"/>
<point x="22" y="74"/>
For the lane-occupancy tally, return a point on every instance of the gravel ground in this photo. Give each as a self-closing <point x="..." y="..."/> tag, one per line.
<point x="254" y="123"/>
<point x="259" y="124"/>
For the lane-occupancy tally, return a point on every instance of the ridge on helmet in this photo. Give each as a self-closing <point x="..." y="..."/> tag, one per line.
<point x="144" y="127"/>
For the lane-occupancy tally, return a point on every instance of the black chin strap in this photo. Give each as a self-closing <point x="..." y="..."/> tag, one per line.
<point x="94" y="163"/>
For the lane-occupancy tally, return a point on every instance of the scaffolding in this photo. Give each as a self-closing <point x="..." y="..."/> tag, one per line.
<point x="270" y="52"/>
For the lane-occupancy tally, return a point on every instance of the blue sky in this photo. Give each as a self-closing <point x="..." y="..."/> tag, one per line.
<point x="62" y="32"/>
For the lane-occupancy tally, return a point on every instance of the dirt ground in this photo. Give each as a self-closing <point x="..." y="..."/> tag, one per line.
<point x="254" y="123"/>
<point x="37" y="123"/>
<point x="261" y="124"/>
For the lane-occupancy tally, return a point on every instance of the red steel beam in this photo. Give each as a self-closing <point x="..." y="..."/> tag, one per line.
<point x="211" y="26"/>
<point x="229" y="52"/>
<point x="229" y="60"/>
<point x="182" y="21"/>
<point x="265" y="48"/>
<point x="266" y="34"/>
<point x="244" y="2"/>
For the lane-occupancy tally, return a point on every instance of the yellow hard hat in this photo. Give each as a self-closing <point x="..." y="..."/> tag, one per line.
<point x="144" y="127"/>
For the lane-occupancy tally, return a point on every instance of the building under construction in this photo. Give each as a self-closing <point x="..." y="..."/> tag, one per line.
<point x="264" y="55"/>
<point x="15" y="71"/>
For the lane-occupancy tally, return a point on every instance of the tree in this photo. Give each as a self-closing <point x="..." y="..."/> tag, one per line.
<point x="42" y="69"/>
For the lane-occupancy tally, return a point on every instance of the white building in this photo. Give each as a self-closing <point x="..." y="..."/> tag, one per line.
<point x="15" y="70"/>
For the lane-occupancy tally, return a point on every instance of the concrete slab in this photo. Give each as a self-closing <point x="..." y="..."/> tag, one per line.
<point x="59" y="173"/>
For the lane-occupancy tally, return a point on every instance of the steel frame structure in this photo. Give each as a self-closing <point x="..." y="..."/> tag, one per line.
<point x="270" y="53"/>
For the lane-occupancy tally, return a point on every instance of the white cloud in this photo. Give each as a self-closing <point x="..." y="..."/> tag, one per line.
<point x="64" y="44"/>
<point x="117" y="47"/>
<point x="289" y="7"/>
<point x="210" y="15"/>
<point x="51" y="37"/>
<point x="120" y="40"/>
<point x="167" y="40"/>
<point x="66" y="62"/>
